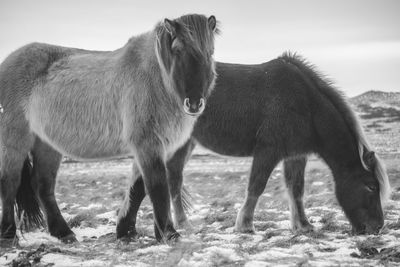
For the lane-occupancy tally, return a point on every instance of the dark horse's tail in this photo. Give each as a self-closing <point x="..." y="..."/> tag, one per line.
<point x="27" y="204"/>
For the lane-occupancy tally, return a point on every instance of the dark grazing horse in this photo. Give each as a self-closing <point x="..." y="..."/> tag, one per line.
<point x="140" y="100"/>
<point x="281" y="110"/>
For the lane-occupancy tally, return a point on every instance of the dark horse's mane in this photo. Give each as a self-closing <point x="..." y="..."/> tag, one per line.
<point x="336" y="97"/>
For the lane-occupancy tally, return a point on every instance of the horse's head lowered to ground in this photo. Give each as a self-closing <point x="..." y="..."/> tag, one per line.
<point x="185" y="49"/>
<point x="362" y="196"/>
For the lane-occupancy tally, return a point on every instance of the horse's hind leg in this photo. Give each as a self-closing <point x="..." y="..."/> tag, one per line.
<point x="294" y="178"/>
<point x="46" y="162"/>
<point x="264" y="162"/>
<point x="15" y="148"/>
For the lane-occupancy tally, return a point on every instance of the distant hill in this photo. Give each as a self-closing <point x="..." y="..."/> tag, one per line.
<point x="377" y="104"/>
<point x="377" y="97"/>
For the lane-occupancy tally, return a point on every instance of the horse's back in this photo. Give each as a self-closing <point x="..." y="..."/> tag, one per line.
<point x="19" y="72"/>
<point x="43" y="90"/>
<point x="22" y="68"/>
<point x="250" y="99"/>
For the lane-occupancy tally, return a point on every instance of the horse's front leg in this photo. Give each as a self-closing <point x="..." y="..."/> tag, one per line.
<point x="175" y="167"/>
<point x="154" y="173"/>
<point x="294" y="178"/>
<point x="128" y="212"/>
<point x="264" y="162"/>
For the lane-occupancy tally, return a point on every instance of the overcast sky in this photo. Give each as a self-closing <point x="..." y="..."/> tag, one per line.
<point x="355" y="42"/>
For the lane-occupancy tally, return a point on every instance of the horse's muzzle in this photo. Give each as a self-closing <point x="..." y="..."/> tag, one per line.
<point x="194" y="109"/>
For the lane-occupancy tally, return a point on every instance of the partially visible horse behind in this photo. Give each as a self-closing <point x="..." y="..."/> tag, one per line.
<point x="140" y="100"/>
<point x="284" y="110"/>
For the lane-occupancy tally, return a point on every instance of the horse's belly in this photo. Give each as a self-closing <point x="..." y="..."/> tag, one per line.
<point x="73" y="135"/>
<point x="75" y="145"/>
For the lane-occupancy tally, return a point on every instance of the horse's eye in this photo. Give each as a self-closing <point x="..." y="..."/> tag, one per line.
<point x="371" y="188"/>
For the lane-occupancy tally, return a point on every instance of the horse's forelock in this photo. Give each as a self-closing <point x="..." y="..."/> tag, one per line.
<point x="193" y="30"/>
<point x="381" y="175"/>
<point x="379" y="171"/>
<point x="196" y="32"/>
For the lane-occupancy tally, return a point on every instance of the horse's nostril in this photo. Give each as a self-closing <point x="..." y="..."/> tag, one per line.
<point x="201" y="103"/>
<point x="186" y="102"/>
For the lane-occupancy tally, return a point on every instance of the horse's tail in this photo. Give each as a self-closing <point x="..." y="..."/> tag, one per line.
<point x="27" y="204"/>
<point x="186" y="199"/>
<point x="336" y="97"/>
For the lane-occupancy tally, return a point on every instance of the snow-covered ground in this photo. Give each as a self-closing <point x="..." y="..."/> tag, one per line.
<point x="90" y="193"/>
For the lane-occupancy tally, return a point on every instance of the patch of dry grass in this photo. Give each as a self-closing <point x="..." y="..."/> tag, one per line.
<point x="329" y="223"/>
<point x="370" y="248"/>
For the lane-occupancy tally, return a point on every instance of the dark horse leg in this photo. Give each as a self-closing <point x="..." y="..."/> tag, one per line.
<point x="15" y="147"/>
<point x="154" y="171"/>
<point x="46" y="162"/>
<point x="175" y="171"/>
<point x="264" y="161"/>
<point x="294" y="178"/>
<point x="136" y="193"/>
<point x="10" y="181"/>
<point x="14" y="151"/>
<point x="133" y="198"/>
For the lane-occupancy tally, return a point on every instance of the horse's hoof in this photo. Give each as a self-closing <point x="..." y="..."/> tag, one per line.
<point x="129" y="237"/>
<point x="69" y="239"/>
<point x="8" y="242"/>
<point x="126" y="240"/>
<point x="244" y="224"/>
<point x="301" y="229"/>
<point x="244" y="228"/>
<point x="173" y="237"/>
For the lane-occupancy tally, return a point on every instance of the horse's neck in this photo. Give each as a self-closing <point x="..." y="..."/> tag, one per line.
<point x="139" y="51"/>
<point x="139" y="61"/>
<point x="341" y="160"/>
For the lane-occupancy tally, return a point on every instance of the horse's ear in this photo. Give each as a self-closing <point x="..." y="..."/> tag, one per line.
<point x="212" y="22"/>
<point x="369" y="158"/>
<point x="170" y="26"/>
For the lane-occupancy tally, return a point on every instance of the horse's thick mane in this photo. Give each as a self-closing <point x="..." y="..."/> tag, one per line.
<point x="336" y="97"/>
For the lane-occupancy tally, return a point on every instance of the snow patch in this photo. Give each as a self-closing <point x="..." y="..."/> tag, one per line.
<point x="110" y="215"/>
<point x="153" y="249"/>
<point x="92" y="206"/>
<point x="36" y="238"/>
<point x="93" y="232"/>
<point x="274" y="253"/>
<point x="317" y="184"/>
<point x="8" y="257"/>
<point x="69" y="261"/>
<point x="216" y="255"/>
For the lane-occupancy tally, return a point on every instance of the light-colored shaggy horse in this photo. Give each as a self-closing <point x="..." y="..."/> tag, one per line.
<point x="140" y="100"/>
